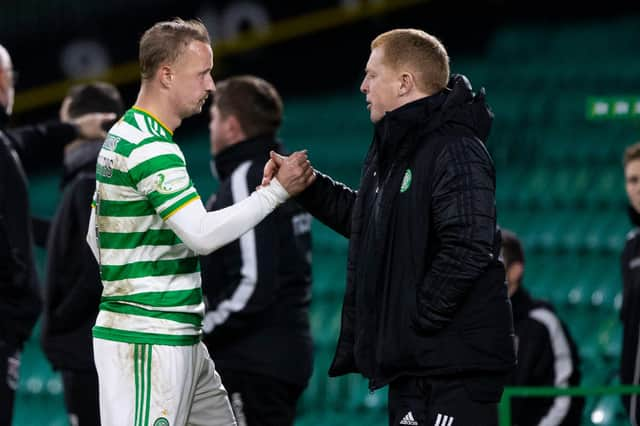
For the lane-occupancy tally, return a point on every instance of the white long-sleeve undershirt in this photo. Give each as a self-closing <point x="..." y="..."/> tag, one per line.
<point x="204" y="232"/>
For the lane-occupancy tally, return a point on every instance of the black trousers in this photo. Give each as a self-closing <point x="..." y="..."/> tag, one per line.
<point x="9" y="376"/>
<point x="259" y="400"/>
<point x="427" y="401"/>
<point x="81" y="397"/>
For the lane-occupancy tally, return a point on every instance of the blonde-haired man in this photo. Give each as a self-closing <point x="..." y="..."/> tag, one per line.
<point x="426" y="309"/>
<point x="147" y="229"/>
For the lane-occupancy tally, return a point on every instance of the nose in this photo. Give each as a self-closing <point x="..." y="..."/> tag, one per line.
<point x="364" y="87"/>
<point x="211" y="85"/>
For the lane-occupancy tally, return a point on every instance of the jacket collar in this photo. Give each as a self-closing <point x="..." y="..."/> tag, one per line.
<point x="634" y="216"/>
<point x="227" y="160"/>
<point x="393" y="127"/>
<point x="521" y="303"/>
<point x="4" y="118"/>
<point x="456" y="105"/>
<point x="81" y="158"/>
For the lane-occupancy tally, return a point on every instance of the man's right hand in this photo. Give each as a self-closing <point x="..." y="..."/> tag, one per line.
<point x="90" y="126"/>
<point x="294" y="172"/>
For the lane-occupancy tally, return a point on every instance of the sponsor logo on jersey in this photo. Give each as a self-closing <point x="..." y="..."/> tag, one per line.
<point x="171" y="181"/>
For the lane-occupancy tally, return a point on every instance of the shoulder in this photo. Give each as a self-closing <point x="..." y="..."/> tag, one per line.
<point x="465" y="147"/>
<point x="132" y="137"/>
<point x="460" y="156"/>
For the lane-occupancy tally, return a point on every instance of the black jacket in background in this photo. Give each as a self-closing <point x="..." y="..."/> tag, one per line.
<point x="19" y="289"/>
<point x="258" y="288"/>
<point x="73" y="287"/>
<point x="630" y="314"/>
<point x="547" y="356"/>
<point x="425" y="293"/>
<point x="19" y="300"/>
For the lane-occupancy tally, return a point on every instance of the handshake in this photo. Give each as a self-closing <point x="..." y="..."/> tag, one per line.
<point x="294" y="172"/>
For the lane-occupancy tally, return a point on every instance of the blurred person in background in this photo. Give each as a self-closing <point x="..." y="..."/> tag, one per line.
<point x="258" y="287"/>
<point x="426" y="309"/>
<point x="630" y="263"/>
<point x="19" y="289"/>
<point x="73" y="287"/>
<point x="148" y="226"/>
<point x="547" y="354"/>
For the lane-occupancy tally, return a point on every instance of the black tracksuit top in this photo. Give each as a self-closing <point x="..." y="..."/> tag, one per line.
<point x="258" y="288"/>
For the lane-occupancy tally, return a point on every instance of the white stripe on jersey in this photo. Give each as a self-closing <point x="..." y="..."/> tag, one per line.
<point x="130" y="223"/>
<point x="130" y="286"/>
<point x="119" y="257"/>
<point x="151" y="150"/>
<point x="120" y="193"/>
<point x="126" y="131"/>
<point x="137" y="323"/>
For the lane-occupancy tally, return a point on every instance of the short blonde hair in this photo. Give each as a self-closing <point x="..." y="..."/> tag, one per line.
<point x="421" y="52"/>
<point x="632" y="153"/>
<point x="165" y="41"/>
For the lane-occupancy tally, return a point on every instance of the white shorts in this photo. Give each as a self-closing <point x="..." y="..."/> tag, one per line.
<point x="156" y="385"/>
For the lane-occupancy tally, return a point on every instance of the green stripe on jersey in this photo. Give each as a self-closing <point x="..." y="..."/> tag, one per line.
<point x="126" y="208"/>
<point x="117" y="178"/>
<point x="181" y="317"/>
<point x="161" y="298"/>
<point x="150" y="268"/>
<point x="154" y="165"/>
<point x="157" y="199"/>
<point x="129" y="240"/>
<point x="178" y="204"/>
<point x="125" y="148"/>
<point x="118" y="335"/>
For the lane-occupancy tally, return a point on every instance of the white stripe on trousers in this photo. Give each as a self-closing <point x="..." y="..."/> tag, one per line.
<point x="444" y="420"/>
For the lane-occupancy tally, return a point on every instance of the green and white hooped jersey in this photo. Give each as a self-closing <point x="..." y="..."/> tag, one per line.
<point x="152" y="291"/>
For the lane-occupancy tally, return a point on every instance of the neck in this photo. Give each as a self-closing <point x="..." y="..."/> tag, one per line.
<point x="152" y="100"/>
<point x="413" y="96"/>
<point x="4" y="117"/>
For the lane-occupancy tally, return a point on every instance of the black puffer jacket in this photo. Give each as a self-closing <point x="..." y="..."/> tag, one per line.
<point x="425" y="289"/>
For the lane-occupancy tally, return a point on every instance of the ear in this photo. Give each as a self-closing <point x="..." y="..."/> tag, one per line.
<point x="3" y="89"/>
<point x="64" y="110"/>
<point x="407" y="83"/>
<point x="233" y="128"/>
<point x="514" y="272"/>
<point x="165" y="76"/>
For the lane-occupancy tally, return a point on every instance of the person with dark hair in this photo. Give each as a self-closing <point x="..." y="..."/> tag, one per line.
<point x="426" y="309"/>
<point x="258" y="287"/>
<point x="19" y="292"/>
<point x="73" y="287"/>
<point x="147" y="228"/>
<point x="630" y="263"/>
<point x="547" y="354"/>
